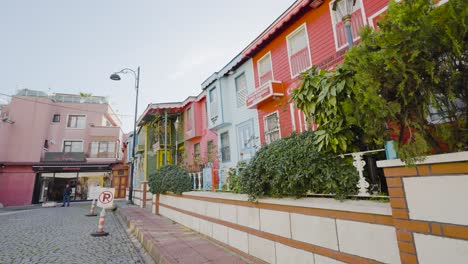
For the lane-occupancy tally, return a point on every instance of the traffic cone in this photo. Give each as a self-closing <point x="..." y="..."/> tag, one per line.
<point x="100" y="231"/>
<point x="91" y="210"/>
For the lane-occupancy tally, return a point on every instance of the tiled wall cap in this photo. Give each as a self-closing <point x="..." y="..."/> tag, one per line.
<point x="440" y="158"/>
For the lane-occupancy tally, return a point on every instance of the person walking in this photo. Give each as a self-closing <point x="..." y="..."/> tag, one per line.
<point x="66" y="195"/>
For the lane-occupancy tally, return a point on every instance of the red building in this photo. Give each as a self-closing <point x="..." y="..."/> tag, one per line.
<point x="308" y="33"/>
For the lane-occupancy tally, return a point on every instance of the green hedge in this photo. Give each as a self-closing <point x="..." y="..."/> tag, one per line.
<point x="292" y="166"/>
<point x="170" y="178"/>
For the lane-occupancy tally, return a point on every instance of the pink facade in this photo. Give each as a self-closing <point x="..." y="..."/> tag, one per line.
<point x="198" y="135"/>
<point x="32" y="116"/>
<point x="33" y="127"/>
<point x="16" y="185"/>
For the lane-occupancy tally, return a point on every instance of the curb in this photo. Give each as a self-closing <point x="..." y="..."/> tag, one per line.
<point x="147" y="244"/>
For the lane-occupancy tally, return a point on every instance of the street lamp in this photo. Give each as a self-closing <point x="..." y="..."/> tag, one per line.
<point x="344" y="9"/>
<point x="116" y="77"/>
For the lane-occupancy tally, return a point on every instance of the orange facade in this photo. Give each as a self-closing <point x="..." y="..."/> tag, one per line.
<point x="322" y="50"/>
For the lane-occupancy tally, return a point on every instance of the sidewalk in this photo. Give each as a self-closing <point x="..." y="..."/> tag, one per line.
<point x="169" y="242"/>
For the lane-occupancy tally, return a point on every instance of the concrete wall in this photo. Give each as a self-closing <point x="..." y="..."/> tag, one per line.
<point x="430" y="209"/>
<point x="287" y="230"/>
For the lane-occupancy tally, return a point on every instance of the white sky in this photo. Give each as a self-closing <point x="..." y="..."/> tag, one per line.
<point x="73" y="46"/>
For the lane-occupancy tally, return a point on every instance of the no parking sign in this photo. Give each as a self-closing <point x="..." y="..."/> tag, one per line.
<point x="106" y="198"/>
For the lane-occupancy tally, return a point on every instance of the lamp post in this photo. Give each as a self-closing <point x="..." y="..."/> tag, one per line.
<point x="116" y="77"/>
<point x="344" y="9"/>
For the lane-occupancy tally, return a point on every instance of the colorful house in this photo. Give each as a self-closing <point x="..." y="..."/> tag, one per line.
<point x="48" y="141"/>
<point x="174" y="133"/>
<point x="235" y="124"/>
<point x="308" y="33"/>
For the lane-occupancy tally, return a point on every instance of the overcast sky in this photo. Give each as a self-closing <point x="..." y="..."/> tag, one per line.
<point x="73" y="46"/>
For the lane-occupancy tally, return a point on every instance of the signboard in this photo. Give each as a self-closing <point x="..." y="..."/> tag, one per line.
<point x="94" y="192"/>
<point x="106" y="198"/>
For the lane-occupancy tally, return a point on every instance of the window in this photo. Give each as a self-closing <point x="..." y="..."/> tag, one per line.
<point x="56" y="118"/>
<point x="76" y="121"/>
<point x="210" y="150"/>
<point x="357" y="22"/>
<point x="196" y="153"/>
<point x="213" y="104"/>
<point x="265" y="72"/>
<point x="272" y="132"/>
<point x="120" y="172"/>
<point x="225" y="150"/>
<point x="102" y="149"/>
<point x="241" y="89"/>
<point x="298" y="51"/>
<point x="73" y="146"/>
<point x="246" y="139"/>
<point x="189" y="119"/>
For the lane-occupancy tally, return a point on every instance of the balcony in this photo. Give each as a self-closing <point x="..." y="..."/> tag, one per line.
<point x="264" y="93"/>
<point x="104" y="131"/>
<point x="63" y="157"/>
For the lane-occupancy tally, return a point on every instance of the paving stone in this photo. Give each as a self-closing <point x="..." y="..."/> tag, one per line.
<point x="62" y="235"/>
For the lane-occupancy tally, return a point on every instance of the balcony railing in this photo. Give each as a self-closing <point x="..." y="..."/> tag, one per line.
<point x="63" y="157"/>
<point x="263" y="93"/>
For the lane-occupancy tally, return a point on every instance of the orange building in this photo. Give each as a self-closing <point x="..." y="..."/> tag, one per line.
<point x="308" y="33"/>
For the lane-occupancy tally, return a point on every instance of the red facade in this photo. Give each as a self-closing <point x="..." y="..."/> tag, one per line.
<point x="303" y="36"/>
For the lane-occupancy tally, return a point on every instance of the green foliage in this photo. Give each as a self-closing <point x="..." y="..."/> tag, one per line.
<point x="293" y="166"/>
<point x="170" y="178"/>
<point x="234" y="177"/>
<point x="415" y="62"/>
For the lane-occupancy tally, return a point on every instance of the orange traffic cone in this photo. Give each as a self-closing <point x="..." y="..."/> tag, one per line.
<point x="100" y="231"/>
<point x="91" y="210"/>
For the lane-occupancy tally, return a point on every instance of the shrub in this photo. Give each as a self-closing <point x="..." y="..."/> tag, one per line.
<point x="294" y="166"/>
<point x="170" y="178"/>
<point x="234" y="177"/>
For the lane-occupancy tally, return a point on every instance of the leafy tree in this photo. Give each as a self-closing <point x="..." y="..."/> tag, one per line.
<point x="415" y="64"/>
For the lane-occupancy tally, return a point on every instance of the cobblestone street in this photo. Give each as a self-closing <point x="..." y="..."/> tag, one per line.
<point x="62" y="235"/>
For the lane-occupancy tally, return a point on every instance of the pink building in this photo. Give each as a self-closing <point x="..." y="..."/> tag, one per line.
<point x="200" y="142"/>
<point x="47" y="142"/>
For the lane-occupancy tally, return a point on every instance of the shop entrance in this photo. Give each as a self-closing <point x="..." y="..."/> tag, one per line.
<point x="52" y="184"/>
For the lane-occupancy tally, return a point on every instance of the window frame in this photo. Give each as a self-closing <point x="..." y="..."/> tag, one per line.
<point x="68" y="118"/>
<point x="225" y="147"/>
<point x="213" y="101"/>
<point x="197" y="153"/>
<point x="334" y="23"/>
<point x="54" y="121"/>
<point x="271" y="66"/>
<point x="290" y="36"/>
<point x="265" y="126"/>
<point x="72" y="140"/>
<point x="189" y="118"/>
<point x="246" y="89"/>
<point x="242" y="149"/>
<point x="96" y="155"/>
